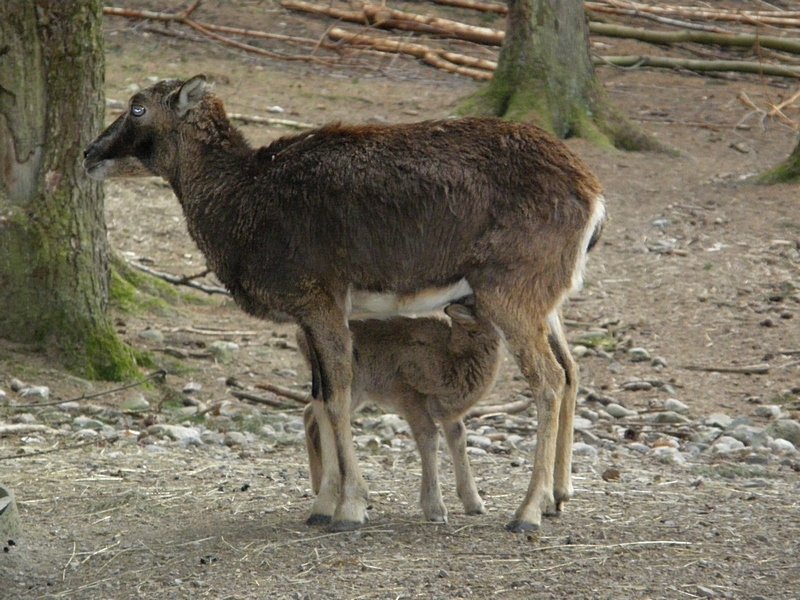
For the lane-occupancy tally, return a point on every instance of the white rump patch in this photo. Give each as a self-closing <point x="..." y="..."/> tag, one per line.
<point x="383" y="305"/>
<point x="594" y="221"/>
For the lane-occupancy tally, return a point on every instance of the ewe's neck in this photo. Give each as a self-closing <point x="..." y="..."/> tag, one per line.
<point x="211" y="153"/>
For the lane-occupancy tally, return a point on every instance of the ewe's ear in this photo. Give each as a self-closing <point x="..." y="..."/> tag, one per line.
<point x="190" y="94"/>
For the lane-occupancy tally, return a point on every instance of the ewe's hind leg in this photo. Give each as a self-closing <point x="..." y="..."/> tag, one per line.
<point x="427" y="437"/>
<point x="456" y="435"/>
<point x="562" y="483"/>
<point x="526" y="332"/>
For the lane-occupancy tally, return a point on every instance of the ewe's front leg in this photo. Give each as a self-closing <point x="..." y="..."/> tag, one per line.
<point x="330" y="342"/>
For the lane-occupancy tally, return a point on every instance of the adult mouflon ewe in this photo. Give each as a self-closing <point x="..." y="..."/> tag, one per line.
<point x="345" y="222"/>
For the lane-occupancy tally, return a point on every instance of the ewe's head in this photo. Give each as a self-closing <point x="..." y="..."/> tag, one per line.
<point x="143" y="140"/>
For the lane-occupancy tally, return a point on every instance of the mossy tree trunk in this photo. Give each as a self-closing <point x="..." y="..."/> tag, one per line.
<point x="787" y="171"/>
<point x="545" y="75"/>
<point x="53" y="248"/>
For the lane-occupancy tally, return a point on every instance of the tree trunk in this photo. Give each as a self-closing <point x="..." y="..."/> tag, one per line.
<point x="787" y="171"/>
<point x="545" y="75"/>
<point x="53" y="248"/>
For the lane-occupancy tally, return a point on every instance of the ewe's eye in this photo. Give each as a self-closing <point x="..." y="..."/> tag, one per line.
<point x="137" y="110"/>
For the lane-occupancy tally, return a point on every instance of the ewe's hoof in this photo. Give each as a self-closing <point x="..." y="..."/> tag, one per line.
<point x="338" y="526"/>
<point x="318" y="520"/>
<point x="521" y="526"/>
<point x="476" y="511"/>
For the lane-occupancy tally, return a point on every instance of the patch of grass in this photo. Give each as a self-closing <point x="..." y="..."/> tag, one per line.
<point x="708" y="266"/>
<point x="732" y="470"/>
<point x="782" y="399"/>
<point x="602" y="341"/>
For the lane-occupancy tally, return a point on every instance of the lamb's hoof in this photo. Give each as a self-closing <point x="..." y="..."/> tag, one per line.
<point x="440" y="520"/>
<point x="318" y="519"/>
<point x="521" y="526"/>
<point x="339" y="526"/>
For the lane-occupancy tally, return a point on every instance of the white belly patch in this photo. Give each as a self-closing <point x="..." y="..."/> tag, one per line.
<point x="382" y="305"/>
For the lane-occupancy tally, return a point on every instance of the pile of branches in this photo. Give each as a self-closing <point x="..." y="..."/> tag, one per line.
<point x="710" y="34"/>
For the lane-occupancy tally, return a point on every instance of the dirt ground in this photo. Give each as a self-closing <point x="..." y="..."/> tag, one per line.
<point x="696" y="265"/>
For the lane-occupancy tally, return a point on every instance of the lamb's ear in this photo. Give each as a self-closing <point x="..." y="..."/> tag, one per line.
<point x="190" y="95"/>
<point x="460" y="314"/>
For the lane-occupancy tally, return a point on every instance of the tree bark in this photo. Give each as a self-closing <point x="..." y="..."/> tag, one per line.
<point x="545" y="75"/>
<point x="786" y="172"/>
<point x="53" y="248"/>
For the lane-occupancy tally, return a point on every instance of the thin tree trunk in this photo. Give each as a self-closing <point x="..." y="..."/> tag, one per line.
<point x="53" y="248"/>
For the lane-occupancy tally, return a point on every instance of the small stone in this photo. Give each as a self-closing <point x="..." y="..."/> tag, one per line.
<point x="17" y="385"/>
<point x="768" y="411"/>
<point x="85" y="434"/>
<point x="742" y="148"/>
<point x="668" y="455"/>
<point x="660" y="223"/>
<point x="275" y="109"/>
<point x="152" y="335"/>
<point x="675" y="406"/>
<point x="639" y="447"/>
<point x="749" y="435"/>
<point x="781" y="446"/>
<point x="620" y="412"/>
<point x="638" y="355"/>
<point x="395" y="422"/>
<point x="472" y="450"/>
<point x="191" y="388"/>
<point x="615" y="367"/>
<point x="611" y="474"/>
<point x="580" y="423"/>
<point x="579" y="351"/>
<point x="135" y="403"/>
<point x="719" y="420"/>
<point x="26" y="418"/>
<point x="37" y="391"/>
<point x="786" y="314"/>
<point x="223" y="351"/>
<point x="235" y="438"/>
<point x="785" y="429"/>
<point x="478" y="441"/>
<point x="658" y="361"/>
<point x="705" y="436"/>
<point x="86" y="423"/>
<point x="669" y="416"/>
<point x="768" y="322"/>
<point x="174" y="432"/>
<point x="587" y="413"/>
<point x="583" y="449"/>
<point x="637" y="386"/>
<point x="288" y="373"/>
<point x="2" y="395"/>
<point x="726" y="444"/>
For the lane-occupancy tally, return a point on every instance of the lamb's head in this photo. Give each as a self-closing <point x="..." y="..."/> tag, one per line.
<point x="143" y="140"/>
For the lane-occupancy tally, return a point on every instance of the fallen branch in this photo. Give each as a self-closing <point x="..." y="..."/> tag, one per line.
<point x="24" y="428"/>
<point x="154" y="375"/>
<point x="734" y="66"/>
<point x="270" y="121"/>
<point x="785" y="18"/>
<point x="285" y="392"/>
<point x="500" y="9"/>
<point x="207" y="30"/>
<point x="440" y="59"/>
<point x="696" y="37"/>
<point x="760" y="369"/>
<point x="186" y="280"/>
<point x="259" y="399"/>
<point x="386" y="18"/>
<point x="510" y="408"/>
<point x="62" y="449"/>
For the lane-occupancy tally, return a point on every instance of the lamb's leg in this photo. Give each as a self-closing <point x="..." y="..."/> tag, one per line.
<point x="314" y="448"/>
<point x="562" y="478"/>
<point x="427" y="437"/>
<point x="325" y="477"/>
<point x="456" y="435"/>
<point x="525" y="328"/>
